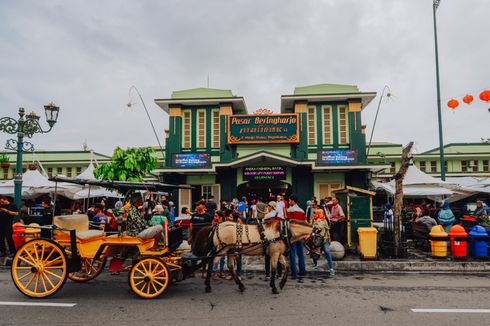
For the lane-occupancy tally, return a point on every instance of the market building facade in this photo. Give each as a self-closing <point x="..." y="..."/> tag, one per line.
<point x="314" y="146"/>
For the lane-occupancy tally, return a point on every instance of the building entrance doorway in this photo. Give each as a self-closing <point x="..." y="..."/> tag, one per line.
<point x="267" y="190"/>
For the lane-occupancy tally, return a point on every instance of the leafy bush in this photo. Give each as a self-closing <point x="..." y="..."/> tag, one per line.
<point x="127" y="165"/>
<point x="4" y="158"/>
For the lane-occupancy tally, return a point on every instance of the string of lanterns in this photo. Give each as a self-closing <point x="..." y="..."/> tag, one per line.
<point x="468" y="98"/>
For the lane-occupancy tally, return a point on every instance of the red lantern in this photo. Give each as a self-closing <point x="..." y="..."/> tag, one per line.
<point x="468" y="99"/>
<point x="485" y="95"/>
<point x="453" y="104"/>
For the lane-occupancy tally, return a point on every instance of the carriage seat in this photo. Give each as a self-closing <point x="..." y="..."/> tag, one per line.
<point x="77" y="222"/>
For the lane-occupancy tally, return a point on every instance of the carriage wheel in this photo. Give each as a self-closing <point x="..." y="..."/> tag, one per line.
<point x="149" y="278"/>
<point x="39" y="268"/>
<point x="89" y="270"/>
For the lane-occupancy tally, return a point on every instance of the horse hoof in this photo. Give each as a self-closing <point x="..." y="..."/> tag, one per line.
<point x="241" y="287"/>
<point x="281" y="285"/>
<point x="208" y="289"/>
<point x="275" y="291"/>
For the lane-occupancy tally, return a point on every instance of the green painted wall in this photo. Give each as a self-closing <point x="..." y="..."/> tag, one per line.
<point x="201" y="179"/>
<point x="279" y="149"/>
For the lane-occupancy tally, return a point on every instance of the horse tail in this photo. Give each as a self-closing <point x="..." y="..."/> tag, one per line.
<point x="203" y="243"/>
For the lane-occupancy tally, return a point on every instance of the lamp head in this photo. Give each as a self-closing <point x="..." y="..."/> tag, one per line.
<point x="51" y="113"/>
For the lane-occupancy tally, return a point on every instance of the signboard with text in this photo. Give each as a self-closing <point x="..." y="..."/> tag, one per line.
<point x="337" y="157"/>
<point x="191" y="161"/>
<point x="263" y="129"/>
<point x="264" y="173"/>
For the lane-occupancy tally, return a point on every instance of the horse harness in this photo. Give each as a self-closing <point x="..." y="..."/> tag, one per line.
<point x="284" y="235"/>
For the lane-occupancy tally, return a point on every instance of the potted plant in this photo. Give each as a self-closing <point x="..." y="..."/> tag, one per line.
<point x="32" y="166"/>
<point x="4" y="161"/>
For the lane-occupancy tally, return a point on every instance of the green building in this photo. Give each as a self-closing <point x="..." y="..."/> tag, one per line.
<point x="462" y="159"/>
<point x="314" y="146"/>
<point x="68" y="163"/>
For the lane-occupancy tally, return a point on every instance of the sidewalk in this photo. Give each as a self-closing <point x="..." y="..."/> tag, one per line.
<point x="355" y="265"/>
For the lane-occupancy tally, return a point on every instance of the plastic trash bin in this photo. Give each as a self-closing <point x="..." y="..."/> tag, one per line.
<point x="458" y="238"/>
<point x="367" y="242"/>
<point x="479" y="238"/>
<point x="438" y="241"/>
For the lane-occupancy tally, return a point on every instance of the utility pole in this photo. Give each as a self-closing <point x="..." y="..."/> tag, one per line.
<point x="442" y="161"/>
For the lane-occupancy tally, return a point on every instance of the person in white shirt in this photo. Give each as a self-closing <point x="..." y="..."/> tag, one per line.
<point x="280" y="208"/>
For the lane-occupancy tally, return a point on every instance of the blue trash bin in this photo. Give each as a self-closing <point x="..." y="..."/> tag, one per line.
<point x="479" y="238"/>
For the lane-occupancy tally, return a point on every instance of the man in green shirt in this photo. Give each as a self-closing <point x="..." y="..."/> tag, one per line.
<point x="166" y="211"/>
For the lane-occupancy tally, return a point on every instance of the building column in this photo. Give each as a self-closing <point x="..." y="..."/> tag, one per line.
<point x="357" y="139"/>
<point x="173" y="139"/>
<point x="301" y="149"/>
<point x="226" y="153"/>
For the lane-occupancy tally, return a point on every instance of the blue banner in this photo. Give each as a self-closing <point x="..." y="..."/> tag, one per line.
<point x="337" y="157"/>
<point x="192" y="161"/>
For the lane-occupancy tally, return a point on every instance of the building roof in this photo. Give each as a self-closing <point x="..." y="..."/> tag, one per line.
<point x="462" y="148"/>
<point x="326" y="89"/>
<point x="58" y="156"/>
<point x="203" y="96"/>
<point x="326" y="93"/>
<point x="202" y="92"/>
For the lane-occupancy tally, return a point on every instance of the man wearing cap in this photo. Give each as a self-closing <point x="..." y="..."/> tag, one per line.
<point x="294" y="212"/>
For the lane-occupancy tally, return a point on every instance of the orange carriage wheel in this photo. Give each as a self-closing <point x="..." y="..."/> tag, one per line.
<point x="39" y="268"/>
<point x="149" y="277"/>
<point x="89" y="270"/>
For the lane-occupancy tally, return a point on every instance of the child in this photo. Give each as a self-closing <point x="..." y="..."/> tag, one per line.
<point x="320" y="226"/>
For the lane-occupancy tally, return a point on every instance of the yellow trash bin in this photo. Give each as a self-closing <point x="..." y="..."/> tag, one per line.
<point x="438" y="247"/>
<point x="368" y="241"/>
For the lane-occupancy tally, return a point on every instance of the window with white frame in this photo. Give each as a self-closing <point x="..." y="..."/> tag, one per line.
<point x="215" y="121"/>
<point x="327" y="127"/>
<point x="201" y="129"/>
<point x="343" y="125"/>
<point x="311" y="125"/>
<point x="186" y="129"/>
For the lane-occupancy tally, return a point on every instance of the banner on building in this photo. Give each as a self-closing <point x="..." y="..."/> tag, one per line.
<point x="264" y="173"/>
<point x="337" y="157"/>
<point x="263" y="129"/>
<point x="191" y="161"/>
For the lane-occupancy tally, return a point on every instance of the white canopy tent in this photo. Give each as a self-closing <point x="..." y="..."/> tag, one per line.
<point x="417" y="184"/>
<point x="33" y="183"/>
<point x="75" y="191"/>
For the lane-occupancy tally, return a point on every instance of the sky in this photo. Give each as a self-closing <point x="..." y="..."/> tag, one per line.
<point x="85" y="56"/>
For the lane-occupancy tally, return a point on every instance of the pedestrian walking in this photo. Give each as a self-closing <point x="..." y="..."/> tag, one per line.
<point x="320" y="226"/>
<point x="294" y="212"/>
<point x="8" y="211"/>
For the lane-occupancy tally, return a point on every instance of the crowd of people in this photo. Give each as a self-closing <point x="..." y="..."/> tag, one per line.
<point x="430" y="215"/>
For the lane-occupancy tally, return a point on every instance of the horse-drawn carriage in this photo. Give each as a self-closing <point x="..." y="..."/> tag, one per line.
<point x="70" y="249"/>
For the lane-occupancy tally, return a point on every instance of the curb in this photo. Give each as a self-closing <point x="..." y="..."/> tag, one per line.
<point x="379" y="266"/>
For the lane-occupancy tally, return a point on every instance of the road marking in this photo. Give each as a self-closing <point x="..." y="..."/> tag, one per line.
<point x="471" y="311"/>
<point x="39" y="304"/>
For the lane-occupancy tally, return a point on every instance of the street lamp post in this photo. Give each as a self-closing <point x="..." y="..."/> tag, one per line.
<point x="386" y="88"/>
<point x="25" y="126"/>
<point x="130" y="104"/>
<point x="435" y="5"/>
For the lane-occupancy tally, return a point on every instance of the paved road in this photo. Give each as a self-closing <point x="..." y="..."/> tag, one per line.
<point x="365" y="299"/>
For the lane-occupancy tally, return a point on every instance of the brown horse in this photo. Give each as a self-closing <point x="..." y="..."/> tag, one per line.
<point x="232" y="239"/>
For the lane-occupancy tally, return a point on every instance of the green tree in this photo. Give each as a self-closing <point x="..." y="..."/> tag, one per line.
<point x="127" y="165"/>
